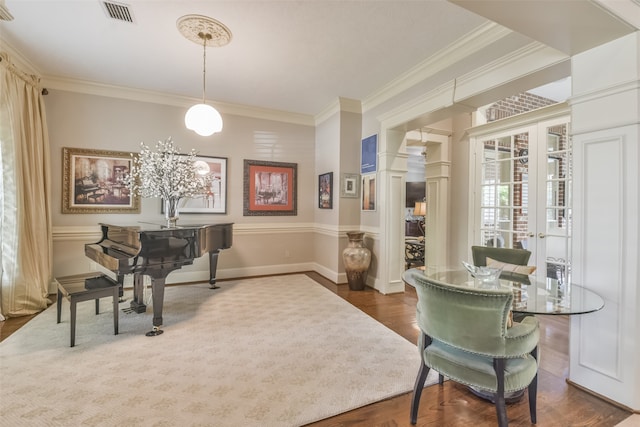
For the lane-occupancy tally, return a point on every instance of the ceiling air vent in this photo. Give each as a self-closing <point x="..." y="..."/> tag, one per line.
<point x="117" y="11"/>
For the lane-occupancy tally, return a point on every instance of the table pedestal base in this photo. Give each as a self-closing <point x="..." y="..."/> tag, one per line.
<point x="511" y="397"/>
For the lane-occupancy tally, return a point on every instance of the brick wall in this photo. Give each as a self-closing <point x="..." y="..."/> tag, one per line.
<point x="515" y="105"/>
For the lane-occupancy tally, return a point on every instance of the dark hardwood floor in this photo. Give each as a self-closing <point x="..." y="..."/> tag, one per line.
<point x="559" y="404"/>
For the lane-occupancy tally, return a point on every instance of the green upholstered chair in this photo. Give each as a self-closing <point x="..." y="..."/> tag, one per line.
<point x="510" y="256"/>
<point x="465" y="337"/>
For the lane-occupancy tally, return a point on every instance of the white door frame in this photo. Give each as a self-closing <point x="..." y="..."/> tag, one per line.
<point x="531" y="122"/>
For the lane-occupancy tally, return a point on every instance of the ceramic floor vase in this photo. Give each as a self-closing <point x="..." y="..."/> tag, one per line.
<point x="357" y="258"/>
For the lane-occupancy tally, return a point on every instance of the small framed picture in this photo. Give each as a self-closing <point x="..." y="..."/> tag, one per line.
<point x="369" y="192"/>
<point x="350" y="185"/>
<point x="325" y="191"/>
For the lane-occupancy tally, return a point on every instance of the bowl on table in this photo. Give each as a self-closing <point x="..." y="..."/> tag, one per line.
<point x="485" y="274"/>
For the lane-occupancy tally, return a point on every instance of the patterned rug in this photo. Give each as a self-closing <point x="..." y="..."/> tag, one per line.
<point x="276" y="351"/>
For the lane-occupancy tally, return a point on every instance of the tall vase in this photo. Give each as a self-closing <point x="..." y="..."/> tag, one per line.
<point x="357" y="258"/>
<point x="171" y="212"/>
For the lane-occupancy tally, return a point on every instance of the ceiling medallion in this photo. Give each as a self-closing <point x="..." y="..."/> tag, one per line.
<point x="193" y="27"/>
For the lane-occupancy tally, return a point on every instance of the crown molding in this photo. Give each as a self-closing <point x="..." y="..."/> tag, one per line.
<point x="516" y="63"/>
<point x="339" y="105"/>
<point x="456" y="91"/>
<point x="120" y="92"/>
<point x="471" y="42"/>
<point x="479" y="38"/>
<point x="18" y="60"/>
<point x="438" y="98"/>
<point x="615" y="89"/>
<point x="523" y="119"/>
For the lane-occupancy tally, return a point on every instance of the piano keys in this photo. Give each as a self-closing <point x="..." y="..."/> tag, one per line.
<point x="156" y="250"/>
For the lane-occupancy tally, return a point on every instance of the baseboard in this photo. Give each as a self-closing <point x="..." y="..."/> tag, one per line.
<point x="599" y="396"/>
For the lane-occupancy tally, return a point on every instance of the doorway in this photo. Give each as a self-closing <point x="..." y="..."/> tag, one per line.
<point x="522" y="183"/>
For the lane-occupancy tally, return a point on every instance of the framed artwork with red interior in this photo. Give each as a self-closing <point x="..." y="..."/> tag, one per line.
<point x="270" y="188"/>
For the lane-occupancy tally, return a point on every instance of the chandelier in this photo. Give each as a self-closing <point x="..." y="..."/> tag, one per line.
<point x="203" y="119"/>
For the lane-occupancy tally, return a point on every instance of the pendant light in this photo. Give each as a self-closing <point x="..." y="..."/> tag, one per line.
<point x="203" y="119"/>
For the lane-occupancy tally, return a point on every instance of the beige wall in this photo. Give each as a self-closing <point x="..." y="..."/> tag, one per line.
<point x="262" y="244"/>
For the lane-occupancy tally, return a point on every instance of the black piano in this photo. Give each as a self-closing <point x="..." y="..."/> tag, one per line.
<point x="156" y="250"/>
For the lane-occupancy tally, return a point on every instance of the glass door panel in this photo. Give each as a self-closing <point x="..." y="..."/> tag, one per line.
<point x="525" y="193"/>
<point x="554" y="254"/>
<point x="504" y="190"/>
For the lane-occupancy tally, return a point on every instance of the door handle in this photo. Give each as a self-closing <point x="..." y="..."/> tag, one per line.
<point x="541" y="235"/>
<point x="531" y="234"/>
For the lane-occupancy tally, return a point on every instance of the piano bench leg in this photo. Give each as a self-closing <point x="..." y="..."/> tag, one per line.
<point x="59" y="305"/>
<point x="74" y="290"/>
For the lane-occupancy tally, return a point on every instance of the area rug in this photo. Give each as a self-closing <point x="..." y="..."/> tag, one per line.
<point x="275" y="351"/>
<point x="632" y="421"/>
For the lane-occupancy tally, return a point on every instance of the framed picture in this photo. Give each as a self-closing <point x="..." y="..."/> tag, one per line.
<point x="325" y="191"/>
<point x="93" y="182"/>
<point x="369" y="192"/>
<point x="270" y="188"/>
<point x="215" y="200"/>
<point x="369" y="155"/>
<point x="349" y="185"/>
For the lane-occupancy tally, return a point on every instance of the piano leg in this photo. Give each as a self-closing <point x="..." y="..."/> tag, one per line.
<point x="137" y="303"/>
<point x="121" y="290"/>
<point x="213" y="266"/>
<point x="157" y="287"/>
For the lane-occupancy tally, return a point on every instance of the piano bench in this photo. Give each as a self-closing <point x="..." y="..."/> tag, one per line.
<point x="84" y="287"/>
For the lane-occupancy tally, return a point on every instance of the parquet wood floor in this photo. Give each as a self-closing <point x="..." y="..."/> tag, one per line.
<point x="451" y="405"/>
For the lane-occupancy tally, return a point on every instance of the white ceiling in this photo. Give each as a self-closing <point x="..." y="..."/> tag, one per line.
<point x="296" y="56"/>
<point x="290" y="55"/>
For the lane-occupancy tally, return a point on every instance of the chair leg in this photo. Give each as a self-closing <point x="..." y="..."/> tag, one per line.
<point x="498" y="365"/>
<point x="533" y="391"/>
<point x="440" y="379"/>
<point x="417" y="392"/>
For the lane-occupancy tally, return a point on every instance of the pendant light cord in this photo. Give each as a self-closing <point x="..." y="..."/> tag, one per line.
<point x="204" y="38"/>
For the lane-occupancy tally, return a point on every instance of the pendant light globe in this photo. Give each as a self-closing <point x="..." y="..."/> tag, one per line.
<point x="203" y="119"/>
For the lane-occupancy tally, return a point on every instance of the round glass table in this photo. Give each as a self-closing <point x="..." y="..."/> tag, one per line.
<point x="548" y="296"/>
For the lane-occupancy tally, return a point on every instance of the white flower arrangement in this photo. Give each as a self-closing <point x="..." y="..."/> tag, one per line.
<point x="166" y="173"/>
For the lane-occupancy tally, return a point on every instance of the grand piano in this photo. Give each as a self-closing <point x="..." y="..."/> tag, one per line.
<point x="156" y="250"/>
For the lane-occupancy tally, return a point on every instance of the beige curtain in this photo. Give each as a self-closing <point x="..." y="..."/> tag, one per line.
<point x="25" y="204"/>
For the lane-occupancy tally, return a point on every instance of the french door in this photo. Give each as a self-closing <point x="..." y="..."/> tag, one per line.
<point x="523" y="192"/>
